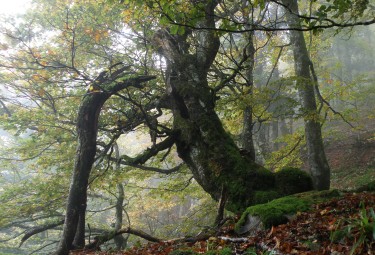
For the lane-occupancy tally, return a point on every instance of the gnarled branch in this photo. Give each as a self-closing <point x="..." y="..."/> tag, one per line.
<point x="39" y="229"/>
<point x="99" y="240"/>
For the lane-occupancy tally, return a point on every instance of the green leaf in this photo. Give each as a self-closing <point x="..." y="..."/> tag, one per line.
<point x="174" y="29"/>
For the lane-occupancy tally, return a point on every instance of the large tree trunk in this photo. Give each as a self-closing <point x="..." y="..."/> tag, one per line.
<point x="87" y="128"/>
<point x="319" y="167"/>
<point x="202" y="142"/>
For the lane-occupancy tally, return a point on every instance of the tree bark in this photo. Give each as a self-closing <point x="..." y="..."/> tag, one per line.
<point x="319" y="168"/>
<point x="39" y="229"/>
<point x="120" y="240"/>
<point x="87" y="128"/>
<point x="248" y="124"/>
<point x="201" y="140"/>
<point x="99" y="240"/>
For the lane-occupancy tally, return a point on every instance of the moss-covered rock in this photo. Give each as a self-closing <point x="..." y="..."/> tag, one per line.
<point x="277" y="211"/>
<point x="274" y="212"/>
<point x="264" y="186"/>
<point x="292" y="180"/>
<point x="265" y="179"/>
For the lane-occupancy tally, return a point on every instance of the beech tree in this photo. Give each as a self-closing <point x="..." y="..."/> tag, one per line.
<point x="183" y="39"/>
<point x="201" y="141"/>
<point x="308" y="87"/>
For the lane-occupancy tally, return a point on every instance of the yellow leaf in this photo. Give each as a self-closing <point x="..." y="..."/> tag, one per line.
<point x="324" y="212"/>
<point x="97" y="36"/>
<point x="94" y="89"/>
<point x="36" y="77"/>
<point x="41" y="92"/>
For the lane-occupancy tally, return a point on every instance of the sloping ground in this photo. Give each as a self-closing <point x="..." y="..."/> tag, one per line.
<point x="352" y="161"/>
<point x="354" y="151"/>
<point x="340" y="226"/>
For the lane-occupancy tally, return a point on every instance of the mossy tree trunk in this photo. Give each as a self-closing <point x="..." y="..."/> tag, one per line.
<point x="202" y="142"/>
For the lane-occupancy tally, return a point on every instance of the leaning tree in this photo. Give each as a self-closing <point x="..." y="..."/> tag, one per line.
<point x="186" y="35"/>
<point x="188" y="43"/>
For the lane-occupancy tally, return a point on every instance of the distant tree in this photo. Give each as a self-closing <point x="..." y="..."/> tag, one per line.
<point x="307" y="87"/>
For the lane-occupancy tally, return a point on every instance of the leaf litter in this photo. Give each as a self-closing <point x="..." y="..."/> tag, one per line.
<point x="341" y="226"/>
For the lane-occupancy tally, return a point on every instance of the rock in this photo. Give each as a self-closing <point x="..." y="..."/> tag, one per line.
<point x="252" y="225"/>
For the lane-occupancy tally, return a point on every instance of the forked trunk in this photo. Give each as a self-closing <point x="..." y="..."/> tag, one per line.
<point x="202" y="142"/>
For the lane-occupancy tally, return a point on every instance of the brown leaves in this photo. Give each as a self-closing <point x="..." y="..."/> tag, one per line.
<point x="308" y="234"/>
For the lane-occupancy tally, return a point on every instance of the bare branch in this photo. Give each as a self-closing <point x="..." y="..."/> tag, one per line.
<point x="153" y="169"/>
<point x="42" y="247"/>
<point x="39" y="229"/>
<point x="322" y="100"/>
<point x="149" y="152"/>
<point x="98" y="240"/>
<point x="7" y="111"/>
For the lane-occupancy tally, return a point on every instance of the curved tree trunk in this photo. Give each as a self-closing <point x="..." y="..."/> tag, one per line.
<point x="319" y="168"/>
<point x="87" y="128"/>
<point x="202" y="142"/>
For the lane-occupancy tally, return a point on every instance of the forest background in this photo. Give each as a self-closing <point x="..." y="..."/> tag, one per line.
<point x="60" y="52"/>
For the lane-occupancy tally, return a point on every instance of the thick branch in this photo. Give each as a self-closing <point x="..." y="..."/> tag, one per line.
<point x="331" y="22"/>
<point x="39" y="229"/>
<point x="7" y="111"/>
<point x="208" y="40"/>
<point x="257" y="27"/>
<point x="153" y="169"/>
<point x="99" y="240"/>
<point x="149" y="152"/>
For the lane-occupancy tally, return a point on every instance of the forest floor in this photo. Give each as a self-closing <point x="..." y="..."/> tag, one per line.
<point x="352" y="161"/>
<point x="339" y="226"/>
<point x="343" y="225"/>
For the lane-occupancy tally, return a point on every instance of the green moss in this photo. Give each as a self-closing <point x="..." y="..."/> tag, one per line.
<point x="210" y="253"/>
<point x="275" y="212"/>
<point x="261" y="197"/>
<point x="244" y="178"/>
<point x="367" y="187"/>
<point x="292" y="180"/>
<point x="226" y="251"/>
<point x="265" y="179"/>
<point x="183" y="252"/>
<point x="319" y="196"/>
